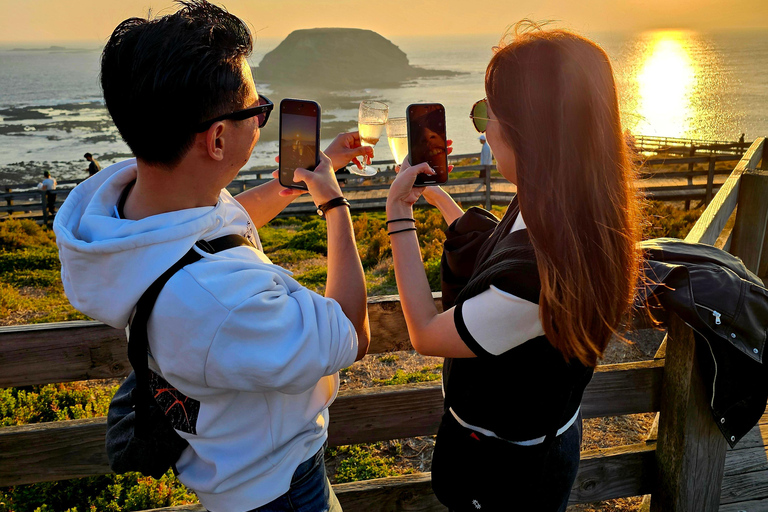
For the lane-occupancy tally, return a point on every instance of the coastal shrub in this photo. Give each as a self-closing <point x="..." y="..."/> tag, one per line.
<point x="284" y="257"/>
<point x="33" y="258"/>
<point x="428" y="373"/>
<point x="106" y="493"/>
<point x="273" y="238"/>
<point x="287" y="221"/>
<point x="312" y="237"/>
<point x="313" y="278"/>
<point x="53" y="402"/>
<point x="372" y="239"/>
<point x="358" y="463"/>
<point x="112" y="493"/>
<point x="34" y="278"/>
<point x="432" y="267"/>
<point x="376" y="249"/>
<point x="30" y="306"/>
<point x="17" y="234"/>
<point x="665" y="220"/>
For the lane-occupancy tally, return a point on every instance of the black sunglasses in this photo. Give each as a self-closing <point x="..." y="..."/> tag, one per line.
<point x="479" y="115"/>
<point x="260" y="111"/>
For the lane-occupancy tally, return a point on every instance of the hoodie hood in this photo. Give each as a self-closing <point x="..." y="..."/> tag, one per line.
<point x="107" y="263"/>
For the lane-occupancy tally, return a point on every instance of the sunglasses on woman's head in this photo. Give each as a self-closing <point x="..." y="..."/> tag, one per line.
<point x="479" y="115"/>
<point x="260" y="111"/>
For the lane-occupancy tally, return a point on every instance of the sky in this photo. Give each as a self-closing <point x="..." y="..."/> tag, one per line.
<point x="39" y="21"/>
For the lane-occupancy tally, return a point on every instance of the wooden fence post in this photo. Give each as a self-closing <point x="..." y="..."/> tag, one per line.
<point x="690" y="452"/>
<point x="750" y="233"/>
<point x="487" y="172"/>
<point x="45" y="208"/>
<point x="690" y="178"/>
<point x="710" y="180"/>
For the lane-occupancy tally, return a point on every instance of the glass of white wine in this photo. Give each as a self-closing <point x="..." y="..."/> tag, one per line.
<point x="397" y="135"/>
<point x="372" y="117"/>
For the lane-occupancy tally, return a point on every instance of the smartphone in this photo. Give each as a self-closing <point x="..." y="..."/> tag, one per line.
<point x="299" y="139"/>
<point x="427" y="142"/>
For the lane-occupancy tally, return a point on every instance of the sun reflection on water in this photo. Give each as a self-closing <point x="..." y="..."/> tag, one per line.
<point x="666" y="87"/>
<point x="666" y="82"/>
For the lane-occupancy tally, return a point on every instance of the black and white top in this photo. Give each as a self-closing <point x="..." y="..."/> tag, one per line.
<point x="495" y="320"/>
<point x="519" y="387"/>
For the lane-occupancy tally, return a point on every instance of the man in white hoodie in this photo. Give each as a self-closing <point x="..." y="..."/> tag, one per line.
<point x="257" y="353"/>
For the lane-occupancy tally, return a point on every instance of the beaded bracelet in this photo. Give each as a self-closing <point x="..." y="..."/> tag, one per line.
<point x="398" y="220"/>
<point x="401" y="231"/>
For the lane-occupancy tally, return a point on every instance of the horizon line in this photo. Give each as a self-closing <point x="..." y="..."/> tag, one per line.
<point x="37" y="43"/>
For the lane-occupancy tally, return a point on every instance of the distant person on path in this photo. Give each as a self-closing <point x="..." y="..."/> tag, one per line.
<point x="49" y="185"/>
<point x="741" y="139"/>
<point x="530" y="301"/>
<point x="252" y="355"/>
<point x="486" y="157"/>
<point x="94" y="166"/>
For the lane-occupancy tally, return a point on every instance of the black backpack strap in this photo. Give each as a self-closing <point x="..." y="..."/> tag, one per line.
<point x="223" y="243"/>
<point x="139" y="340"/>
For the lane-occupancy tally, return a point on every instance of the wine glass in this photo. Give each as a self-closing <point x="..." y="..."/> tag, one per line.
<point x="397" y="135"/>
<point x="372" y="117"/>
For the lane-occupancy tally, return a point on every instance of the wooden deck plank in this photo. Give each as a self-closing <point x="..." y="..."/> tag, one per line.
<point x="744" y="487"/>
<point x="760" y="505"/>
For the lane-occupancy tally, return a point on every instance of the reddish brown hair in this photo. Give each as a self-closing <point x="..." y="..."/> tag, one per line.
<point x="554" y="94"/>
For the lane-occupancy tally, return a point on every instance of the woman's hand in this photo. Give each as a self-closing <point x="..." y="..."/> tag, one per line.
<point x="402" y="194"/>
<point x="345" y="148"/>
<point x="321" y="182"/>
<point x="432" y="194"/>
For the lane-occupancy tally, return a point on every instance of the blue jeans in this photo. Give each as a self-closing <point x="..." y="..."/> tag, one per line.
<point x="474" y="472"/>
<point x="310" y="490"/>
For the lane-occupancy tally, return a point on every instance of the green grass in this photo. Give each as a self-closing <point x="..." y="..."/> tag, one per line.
<point x="313" y="278"/>
<point x="426" y="374"/>
<point x="359" y="462"/>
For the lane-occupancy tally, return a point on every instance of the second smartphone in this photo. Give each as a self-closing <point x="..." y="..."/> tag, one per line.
<point x="427" y="142"/>
<point x="299" y="139"/>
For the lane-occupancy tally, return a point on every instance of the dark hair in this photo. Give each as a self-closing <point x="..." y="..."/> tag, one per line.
<point x="161" y="77"/>
<point x="87" y="155"/>
<point x="554" y="95"/>
<point x="46" y="174"/>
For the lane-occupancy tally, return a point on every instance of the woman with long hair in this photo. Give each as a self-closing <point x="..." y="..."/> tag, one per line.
<point x="531" y="301"/>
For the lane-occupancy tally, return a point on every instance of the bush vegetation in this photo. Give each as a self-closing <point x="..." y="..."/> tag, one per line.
<point x="31" y="292"/>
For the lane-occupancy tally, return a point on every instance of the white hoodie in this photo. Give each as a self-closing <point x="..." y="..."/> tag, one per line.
<point x="258" y="351"/>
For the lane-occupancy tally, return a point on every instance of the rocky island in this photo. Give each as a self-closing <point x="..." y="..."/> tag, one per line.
<point x="339" y="58"/>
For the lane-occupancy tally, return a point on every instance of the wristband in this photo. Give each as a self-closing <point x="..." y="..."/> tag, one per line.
<point x="398" y="220"/>
<point x="401" y="231"/>
<point x="322" y="210"/>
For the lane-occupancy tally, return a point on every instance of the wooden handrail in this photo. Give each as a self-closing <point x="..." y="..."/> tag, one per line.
<point x="70" y="449"/>
<point x="712" y="221"/>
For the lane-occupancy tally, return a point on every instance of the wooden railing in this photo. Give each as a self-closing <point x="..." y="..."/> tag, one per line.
<point x="683" y="468"/>
<point x="25" y="201"/>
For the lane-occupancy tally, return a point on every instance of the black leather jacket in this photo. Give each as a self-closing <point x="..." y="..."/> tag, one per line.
<point x="727" y="307"/>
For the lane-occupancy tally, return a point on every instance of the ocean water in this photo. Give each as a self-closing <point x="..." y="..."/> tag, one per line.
<point x="671" y="83"/>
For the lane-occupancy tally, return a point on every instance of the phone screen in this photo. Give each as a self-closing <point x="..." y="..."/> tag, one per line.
<point x="427" y="142"/>
<point x="299" y="139"/>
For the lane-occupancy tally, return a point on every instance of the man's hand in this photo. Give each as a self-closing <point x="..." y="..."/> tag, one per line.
<point x="285" y="192"/>
<point x="344" y="148"/>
